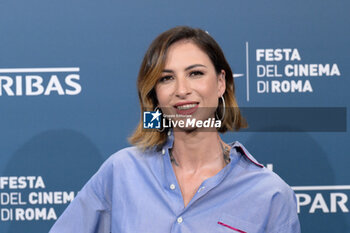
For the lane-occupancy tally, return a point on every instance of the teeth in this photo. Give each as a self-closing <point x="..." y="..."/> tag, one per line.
<point x="186" y="106"/>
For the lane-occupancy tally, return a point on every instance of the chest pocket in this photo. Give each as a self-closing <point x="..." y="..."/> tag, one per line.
<point x="232" y="224"/>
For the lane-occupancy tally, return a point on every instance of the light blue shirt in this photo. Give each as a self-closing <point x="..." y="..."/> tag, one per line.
<point x="137" y="192"/>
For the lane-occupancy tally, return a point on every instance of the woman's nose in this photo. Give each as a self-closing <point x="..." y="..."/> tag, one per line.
<point x="182" y="87"/>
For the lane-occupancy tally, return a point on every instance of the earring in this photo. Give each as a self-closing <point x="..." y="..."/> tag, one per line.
<point x="157" y="109"/>
<point x="223" y="111"/>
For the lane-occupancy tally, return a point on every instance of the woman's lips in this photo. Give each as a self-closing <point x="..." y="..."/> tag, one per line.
<point x="186" y="109"/>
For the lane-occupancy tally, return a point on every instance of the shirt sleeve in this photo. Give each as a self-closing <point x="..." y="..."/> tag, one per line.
<point x="292" y="227"/>
<point x="89" y="212"/>
<point x="283" y="213"/>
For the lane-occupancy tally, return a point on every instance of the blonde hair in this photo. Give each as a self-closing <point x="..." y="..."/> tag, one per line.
<point x="151" y="70"/>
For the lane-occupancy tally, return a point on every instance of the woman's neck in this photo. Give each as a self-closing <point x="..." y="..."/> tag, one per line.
<point x="198" y="150"/>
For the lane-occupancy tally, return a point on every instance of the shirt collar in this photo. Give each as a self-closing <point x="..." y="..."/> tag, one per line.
<point x="243" y="151"/>
<point x="240" y="148"/>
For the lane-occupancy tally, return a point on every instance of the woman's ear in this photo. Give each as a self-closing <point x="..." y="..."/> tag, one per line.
<point x="221" y="83"/>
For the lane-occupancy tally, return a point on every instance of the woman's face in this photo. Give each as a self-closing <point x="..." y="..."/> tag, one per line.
<point x="189" y="82"/>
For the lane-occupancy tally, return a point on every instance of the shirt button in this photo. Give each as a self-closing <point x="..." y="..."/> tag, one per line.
<point x="169" y="133"/>
<point x="200" y="189"/>
<point x="179" y="220"/>
<point x="163" y="151"/>
<point x="172" y="186"/>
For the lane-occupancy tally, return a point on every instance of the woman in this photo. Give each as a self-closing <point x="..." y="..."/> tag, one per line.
<point x="184" y="178"/>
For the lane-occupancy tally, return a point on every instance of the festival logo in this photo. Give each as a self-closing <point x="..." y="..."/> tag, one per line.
<point x="284" y="71"/>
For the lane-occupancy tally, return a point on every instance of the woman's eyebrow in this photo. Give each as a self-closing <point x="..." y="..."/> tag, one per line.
<point x="187" y="68"/>
<point x="168" y="71"/>
<point x="195" y="65"/>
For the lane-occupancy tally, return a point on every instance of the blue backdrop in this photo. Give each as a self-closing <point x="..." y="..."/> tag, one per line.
<point x="68" y="95"/>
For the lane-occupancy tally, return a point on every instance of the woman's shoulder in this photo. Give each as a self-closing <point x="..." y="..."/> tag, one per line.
<point x="124" y="154"/>
<point x="263" y="175"/>
<point x="130" y="153"/>
<point x="129" y="157"/>
<point x="128" y="160"/>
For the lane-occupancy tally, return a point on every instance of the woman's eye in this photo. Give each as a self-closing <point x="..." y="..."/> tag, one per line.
<point x="196" y="73"/>
<point x="165" y="78"/>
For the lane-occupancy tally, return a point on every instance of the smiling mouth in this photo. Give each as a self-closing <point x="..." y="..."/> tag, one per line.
<point x="186" y="109"/>
<point x="186" y="106"/>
